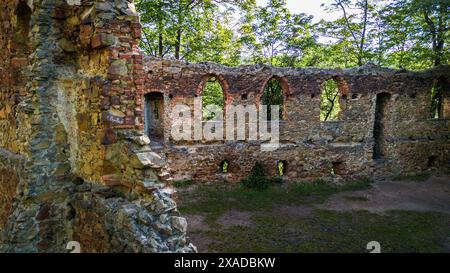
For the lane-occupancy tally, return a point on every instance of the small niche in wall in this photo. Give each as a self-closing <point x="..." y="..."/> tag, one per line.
<point x="224" y="166"/>
<point x="432" y="160"/>
<point x="71" y="212"/>
<point x="244" y="97"/>
<point x="282" y="167"/>
<point x="337" y="168"/>
<point x="355" y="96"/>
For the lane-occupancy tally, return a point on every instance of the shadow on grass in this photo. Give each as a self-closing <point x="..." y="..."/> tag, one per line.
<point x="275" y="230"/>
<point x="329" y="231"/>
<point x="213" y="200"/>
<point x="416" y="178"/>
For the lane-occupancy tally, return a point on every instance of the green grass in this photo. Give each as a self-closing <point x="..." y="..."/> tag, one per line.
<point x="183" y="183"/>
<point x="273" y="230"/>
<point x="417" y="178"/>
<point x="328" y="231"/>
<point x="213" y="200"/>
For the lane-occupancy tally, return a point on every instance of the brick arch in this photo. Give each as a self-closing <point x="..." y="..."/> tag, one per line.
<point x="285" y="87"/>
<point x="223" y="83"/>
<point x="343" y="87"/>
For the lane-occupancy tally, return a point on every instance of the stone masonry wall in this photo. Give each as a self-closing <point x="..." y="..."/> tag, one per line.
<point x="15" y="51"/>
<point x="414" y="142"/>
<point x="68" y="109"/>
<point x="75" y="160"/>
<point x="11" y="169"/>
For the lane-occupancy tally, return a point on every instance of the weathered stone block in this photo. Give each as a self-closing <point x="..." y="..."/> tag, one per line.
<point x="147" y="160"/>
<point x="102" y="40"/>
<point x="179" y="223"/>
<point x="66" y="45"/>
<point x="118" y="68"/>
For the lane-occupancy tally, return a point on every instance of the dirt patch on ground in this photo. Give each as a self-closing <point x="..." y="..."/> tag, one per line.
<point x="201" y="241"/>
<point x="312" y="227"/>
<point x="430" y="195"/>
<point x="236" y="218"/>
<point x="196" y="223"/>
<point x="297" y="211"/>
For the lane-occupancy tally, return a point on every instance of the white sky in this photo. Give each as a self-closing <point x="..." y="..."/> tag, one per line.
<point x="310" y="7"/>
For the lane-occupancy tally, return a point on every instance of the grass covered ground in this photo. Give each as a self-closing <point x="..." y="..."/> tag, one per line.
<point x="212" y="200"/>
<point x="272" y="222"/>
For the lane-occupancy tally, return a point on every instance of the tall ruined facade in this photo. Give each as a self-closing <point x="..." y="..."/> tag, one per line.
<point x="74" y="165"/>
<point x="86" y="152"/>
<point x="384" y="126"/>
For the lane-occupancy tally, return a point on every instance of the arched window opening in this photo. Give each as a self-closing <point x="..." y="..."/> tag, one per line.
<point x="212" y="94"/>
<point x="282" y="168"/>
<point x="437" y="98"/>
<point x="154" y="115"/>
<point x="273" y="95"/>
<point x="224" y="166"/>
<point x="330" y="107"/>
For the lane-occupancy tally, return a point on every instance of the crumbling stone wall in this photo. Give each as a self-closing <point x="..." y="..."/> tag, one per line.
<point x="11" y="169"/>
<point x="151" y="225"/>
<point x="412" y="142"/>
<point x="15" y="51"/>
<point x="76" y="163"/>
<point x="69" y="90"/>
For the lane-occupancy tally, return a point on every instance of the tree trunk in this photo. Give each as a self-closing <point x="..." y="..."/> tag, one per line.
<point x="363" y="34"/>
<point x="178" y="45"/>
<point x="441" y="32"/>
<point x="160" y="45"/>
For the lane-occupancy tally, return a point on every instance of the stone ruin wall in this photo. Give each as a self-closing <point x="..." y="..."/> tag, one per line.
<point x="412" y="141"/>
<point x="75" y="163"/>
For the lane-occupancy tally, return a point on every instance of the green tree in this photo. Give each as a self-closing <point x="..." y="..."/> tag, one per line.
<point x="352" y="29"/>
<point x="412" y="34"/>
<point x="274" y="36"/>
<point x="192" y="30"/>
<point x="417" y="33"/>
<point x="155" y="16"/>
